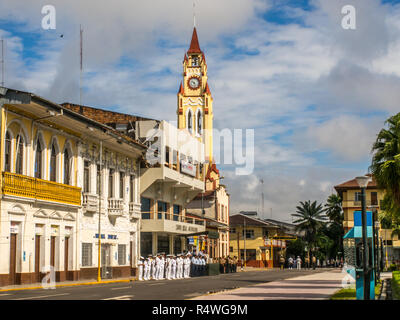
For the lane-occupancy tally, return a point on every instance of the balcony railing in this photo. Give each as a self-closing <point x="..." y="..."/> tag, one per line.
<point x="354" y="203"/>
<point x="34" y="188"/>
<point x="148" y="215"/>
<point x="90" y="202"/>
<point x="134" y="210"/>
<point x="115" y="206"/>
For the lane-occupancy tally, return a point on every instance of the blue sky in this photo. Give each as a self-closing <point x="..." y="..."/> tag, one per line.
<point x="315" y="94"/>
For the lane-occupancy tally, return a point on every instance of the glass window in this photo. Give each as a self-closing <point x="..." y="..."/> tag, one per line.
<point x="111" y="183"/>
<point x="232" y="230"/>
<point x="7" y="155"/>
<point x="145" y="207"/>
<point x="86" y="176"/>
<point x="20" y="155"/>
<point x="357" y="196"/>
<point x="249" y="233"/>
<point x="98" y="179"/>
<point x="53" y="163"/>
<point x="177" y="210"/>
<point x="146" y="243"/>
<point x="86" y="254"/>
<point x="132" y="188"/>
<point x="122" y="254"/>
<point x="67" y="167"/>
<point x="167" y="155"/>
<point x="162" y="208"/>
<point x="199" y="122"/>
<point x="121" y="185"/>
<point x="189" y="121"/>
<point x="38" y="159"/>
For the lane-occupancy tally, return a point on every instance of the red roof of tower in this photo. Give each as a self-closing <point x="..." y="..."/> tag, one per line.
<point x="208" y="89"/>
<point x="194" y="44"/>
<point x="181" y="89"/>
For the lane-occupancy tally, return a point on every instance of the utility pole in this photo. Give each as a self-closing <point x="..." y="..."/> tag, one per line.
<point x="100" y="191"/>
<point x="244" y="239"/>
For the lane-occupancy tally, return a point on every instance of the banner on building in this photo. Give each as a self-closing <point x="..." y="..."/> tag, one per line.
<point x="188" y="168"/>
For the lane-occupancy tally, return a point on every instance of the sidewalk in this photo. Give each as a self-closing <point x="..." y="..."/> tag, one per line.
<point x="34" y="286"/>
<point x="312" y="287"/>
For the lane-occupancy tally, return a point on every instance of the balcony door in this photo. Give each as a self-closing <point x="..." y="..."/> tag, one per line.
<point x="13" y="258"/>
<point x="37" y="258"/>
<point x="106" y="272"/>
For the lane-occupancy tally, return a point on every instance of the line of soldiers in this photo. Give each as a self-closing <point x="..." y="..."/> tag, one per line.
<point x="162" y="266"/>
<point x="227" y="264"/>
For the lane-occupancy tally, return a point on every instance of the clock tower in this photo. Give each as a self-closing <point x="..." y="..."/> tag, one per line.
<point x="195" y="111"/>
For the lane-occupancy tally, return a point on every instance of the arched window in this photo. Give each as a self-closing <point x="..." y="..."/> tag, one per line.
<point x="53" y="163"/>
<point x="190" y="121"/>
<point x="199" y="118"/>
<point x="19" y="163"/>
<point x="38" y="159"/>
<point x="7" y="153"/>
<point x="67" y="166"/>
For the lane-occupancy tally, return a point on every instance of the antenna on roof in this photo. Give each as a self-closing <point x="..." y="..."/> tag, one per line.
<point x="2" y="62"/>
<point x="81" y="64"/>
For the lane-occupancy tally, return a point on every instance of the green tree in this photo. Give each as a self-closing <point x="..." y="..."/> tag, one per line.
<point x="385" y="165"/>
<point x="335" y="231"/>
<point x="310" y="218"/>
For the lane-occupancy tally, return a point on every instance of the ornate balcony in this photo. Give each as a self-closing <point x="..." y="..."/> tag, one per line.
<point x="28" y="187"/>
<point x="115" y="207"/>
<point x="90" y="202"/>
<point x="134" y="210"/>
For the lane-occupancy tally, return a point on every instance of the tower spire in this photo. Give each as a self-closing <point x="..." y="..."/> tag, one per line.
<point x="194" y="44"/>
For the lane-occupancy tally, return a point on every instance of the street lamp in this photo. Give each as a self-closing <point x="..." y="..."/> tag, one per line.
<point x="363" y="183"/>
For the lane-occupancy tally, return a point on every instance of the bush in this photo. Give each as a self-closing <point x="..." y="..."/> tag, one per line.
<point x="392" y="267"/>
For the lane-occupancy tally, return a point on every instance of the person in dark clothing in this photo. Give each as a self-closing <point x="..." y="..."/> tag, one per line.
<point x="227" y="265"/>
<point x="235" y="262"/>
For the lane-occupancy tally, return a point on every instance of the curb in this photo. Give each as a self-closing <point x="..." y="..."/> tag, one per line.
<point x="71" y="285"/>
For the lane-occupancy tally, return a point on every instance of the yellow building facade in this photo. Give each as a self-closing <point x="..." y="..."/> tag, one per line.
<point x="350" y="193"/>
<point x="261" y="241"/>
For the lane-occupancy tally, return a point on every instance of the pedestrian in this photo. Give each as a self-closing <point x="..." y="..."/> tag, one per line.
<point x="295" y="263"/>
<point x="290" y="263"/>
<point x="193" y="264"/>
<point x="282" y="262"/>
<point x="314" y="262"/>
<point x="141" y="268"/>
<point x="298" y="260"/>
<point x="221" y="264"/>
<point x="153" y="266"/>
<point x="157" y="267"/>
<point x="307" y="262"/>
<point x="162" y="267"/>
<point x="235" y="262"/>
<point x="226" y="269"/>
<point x="204" y="265"/>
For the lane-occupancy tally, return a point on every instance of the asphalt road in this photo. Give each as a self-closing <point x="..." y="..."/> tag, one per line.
<point x="157" y="290"/>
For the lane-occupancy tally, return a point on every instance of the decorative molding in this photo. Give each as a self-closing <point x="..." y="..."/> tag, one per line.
<point x="193" y="102"/>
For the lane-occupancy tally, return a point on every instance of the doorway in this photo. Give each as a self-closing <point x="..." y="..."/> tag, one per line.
<point x="66" y="256"/>
<point x="37" y="258"/>
<point x="13" y="258"/>
<point x="106" y="261"/>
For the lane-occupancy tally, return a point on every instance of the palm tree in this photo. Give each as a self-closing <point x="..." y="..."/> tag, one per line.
<point x="333" y="209"/>
<point x="386" y="159"/>
<point x="310" y="217"/>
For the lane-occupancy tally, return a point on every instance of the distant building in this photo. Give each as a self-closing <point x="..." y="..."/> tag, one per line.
<point x="263" y="241"/>
<point x="350" y="193"/>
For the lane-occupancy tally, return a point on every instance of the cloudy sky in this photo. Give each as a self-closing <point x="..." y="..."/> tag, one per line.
<point x="315" y="94"/>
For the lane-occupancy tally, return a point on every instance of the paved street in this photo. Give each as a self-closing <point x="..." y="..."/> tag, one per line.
<point x="163" y="289"/>
<point x="309" y="287"/>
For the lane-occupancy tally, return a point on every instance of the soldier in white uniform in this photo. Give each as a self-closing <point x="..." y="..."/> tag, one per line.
<point x="140" y="268"/>
<point x="173" y="268"/>
<point x="168" y="267"/>
<point x="153" y="267"/>
<point x="157" y="267"/>
<point x="162" y="267"/>
<point x="147" y="267"/>
<point x="186" y="267"/>
<point x="179" y="267"/>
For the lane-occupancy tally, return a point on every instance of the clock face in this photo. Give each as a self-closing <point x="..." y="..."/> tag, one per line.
<point x="194" y="83"/>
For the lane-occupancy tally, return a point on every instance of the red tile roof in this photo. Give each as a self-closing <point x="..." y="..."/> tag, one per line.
<point x="352" y="184"/>
<point x="181" y="89"/>
<point x="208" y="89"/>
<point x="194" y="44"/>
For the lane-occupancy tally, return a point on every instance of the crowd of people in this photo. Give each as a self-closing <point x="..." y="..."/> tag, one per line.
<point x="228" y="264"/>
<point x="162" y="266"/>
<point x="297" y="263"/>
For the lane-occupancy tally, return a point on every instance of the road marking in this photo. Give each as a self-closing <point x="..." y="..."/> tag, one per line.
<point x="156" y="284"/>
<point x="121" y="288"/>
<point x="38" y="297"/>
<point x="119" y="298"/>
